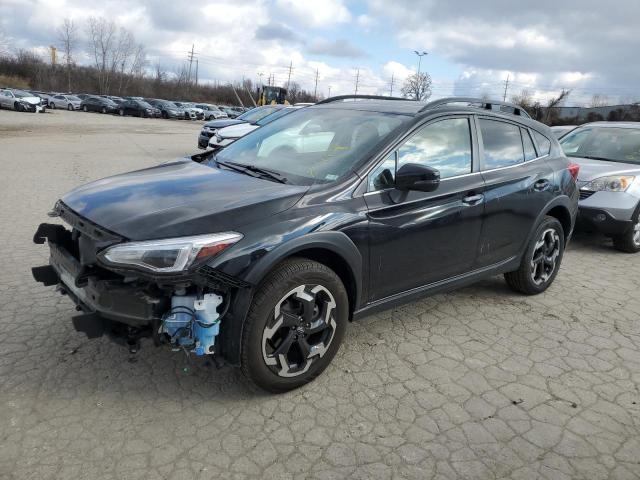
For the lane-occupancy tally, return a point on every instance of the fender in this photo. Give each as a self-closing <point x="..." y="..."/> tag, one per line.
<point x="334" y="241"/>
<point x="560" y="201"/>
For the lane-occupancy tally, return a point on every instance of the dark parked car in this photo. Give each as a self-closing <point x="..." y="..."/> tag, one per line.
<point x="209" y="129"/>
<point x="168" y="109"/>
<point x="263" y="252"/>
<point x="99" y="104"/>
<point x="138" y="108"/>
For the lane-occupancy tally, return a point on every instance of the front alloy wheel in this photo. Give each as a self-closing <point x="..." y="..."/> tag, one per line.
<point x="294" y="326"/>
<point x="301" y="332"/>
<point x="629" y="242"/>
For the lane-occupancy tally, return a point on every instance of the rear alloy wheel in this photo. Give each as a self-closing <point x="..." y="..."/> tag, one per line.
<point x="295" y="325"/>
<point x="630" y="241"/>
<point x="541" y="261"/>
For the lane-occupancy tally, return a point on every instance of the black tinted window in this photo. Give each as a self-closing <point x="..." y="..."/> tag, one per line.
<point x="444" y="145"/>
<point x="544" y="144"/>
<point x="529" y="151"/>
<point x="502" y="144"/>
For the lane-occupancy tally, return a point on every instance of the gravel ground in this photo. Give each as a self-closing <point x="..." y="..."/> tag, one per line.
<point x="479" y="383"/>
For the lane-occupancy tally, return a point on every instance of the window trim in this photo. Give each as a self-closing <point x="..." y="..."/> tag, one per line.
<point x="394" y="146"/>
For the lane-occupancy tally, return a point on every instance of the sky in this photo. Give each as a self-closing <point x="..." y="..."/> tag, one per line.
<point x="472" y="46"/>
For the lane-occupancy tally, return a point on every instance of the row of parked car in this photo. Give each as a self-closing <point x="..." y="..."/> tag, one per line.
<point x="37" y="101"/>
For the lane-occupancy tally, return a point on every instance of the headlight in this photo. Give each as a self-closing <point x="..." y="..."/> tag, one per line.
<point x="615" y="183"/>
<point x="171" y="255"/>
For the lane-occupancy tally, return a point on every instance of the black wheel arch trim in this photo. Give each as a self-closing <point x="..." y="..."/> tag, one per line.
<point x="564" y="202"/>
<point x="336" y="242"/>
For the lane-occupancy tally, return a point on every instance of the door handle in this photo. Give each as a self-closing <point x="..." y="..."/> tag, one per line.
<point x="541" y="185"/>
<point x="473" y="199"/>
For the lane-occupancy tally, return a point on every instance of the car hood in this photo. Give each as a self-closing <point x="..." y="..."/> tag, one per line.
<point x="32" y="100"/>
<point x="179" y="199"/>
<point x="223" y="122"/>
<point x="592" y="169"/>
<point x="237" y="131"/>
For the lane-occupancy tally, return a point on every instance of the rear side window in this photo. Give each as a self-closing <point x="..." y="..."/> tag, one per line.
<point x="502" y="144"/>
<point x="544" y="144"/>
<point x="529" y="151"/>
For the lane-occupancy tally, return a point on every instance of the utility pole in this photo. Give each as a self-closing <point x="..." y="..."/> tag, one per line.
<point x="357" y="80"/>
<point x="391" y="91"/>
<point x="329" y="92"/>
<point x="260" y="74"/>
<point x="315" y="90"/>
<point x="196" y="72"/>
<point x="289" y="78"/>
<point x="190" y="57"/>
<point x="506" y="86"/>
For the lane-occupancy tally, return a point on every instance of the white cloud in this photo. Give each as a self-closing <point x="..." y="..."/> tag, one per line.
<point x="324" y="13"/>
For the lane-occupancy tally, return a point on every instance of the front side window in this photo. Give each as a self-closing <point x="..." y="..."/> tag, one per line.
<point x="444" y="145"/>
<point x="502" y="144"/>
<point x="314" y="145"/>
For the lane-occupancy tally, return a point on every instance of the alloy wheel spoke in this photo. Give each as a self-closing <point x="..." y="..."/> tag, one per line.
<point x="285" y="346"/>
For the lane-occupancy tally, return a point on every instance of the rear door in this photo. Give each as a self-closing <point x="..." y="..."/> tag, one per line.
<point x="419" y="238"/>
<point x="519" y="185"/>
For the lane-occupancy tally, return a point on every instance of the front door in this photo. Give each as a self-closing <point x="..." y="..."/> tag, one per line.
<point x="419" y="238"/>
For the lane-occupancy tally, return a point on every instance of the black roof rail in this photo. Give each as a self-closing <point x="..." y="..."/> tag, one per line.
<point x="484" y="104"/>
<point x="339" y="98"/>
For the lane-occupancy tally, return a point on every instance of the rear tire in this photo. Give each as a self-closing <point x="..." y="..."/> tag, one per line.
<point x="541" y="260"/>
<point x="630" y="241"/>
<point x="295" y="325"/>
<point x="70" y="107"/>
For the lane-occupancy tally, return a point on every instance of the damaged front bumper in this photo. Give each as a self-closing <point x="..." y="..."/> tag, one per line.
<point x="184" y="311"/>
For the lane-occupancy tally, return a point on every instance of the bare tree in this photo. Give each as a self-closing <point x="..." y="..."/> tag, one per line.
<point x="556" y="102"/>
<point x="68" y="37"/>
<point x="417" y="86"/>
<point x="599" y="101"/>
<point x="102" y="33"/>
<point x="524" y="99"/>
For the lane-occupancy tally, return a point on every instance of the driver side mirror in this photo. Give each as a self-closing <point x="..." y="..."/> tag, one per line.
<point x="413" y="176"/>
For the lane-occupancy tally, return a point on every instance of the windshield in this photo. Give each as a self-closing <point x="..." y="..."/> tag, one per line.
<point x="144" y="104"/>
<point x="605" y="143"/>
<point x="252" y="116"/>
<point x="73" y="98"/>
<point x="21" y="94"/>
<point x="313" y="145"/>
<point x="275" y="115"/>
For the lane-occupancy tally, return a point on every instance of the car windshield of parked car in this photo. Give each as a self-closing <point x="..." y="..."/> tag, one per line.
<point x="21" y="94"/>
<point x="252" y="116"/>
<point x="313" y="145"/>
<point x="143" y="104"/>
<point x="615" y="144"/>
<point x="73" y="98"/>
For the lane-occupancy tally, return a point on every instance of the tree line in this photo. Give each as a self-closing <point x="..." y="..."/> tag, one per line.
<point x="118" y="66"/>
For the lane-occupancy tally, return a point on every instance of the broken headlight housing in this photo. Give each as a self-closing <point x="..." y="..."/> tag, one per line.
<point x="170" y="255"/>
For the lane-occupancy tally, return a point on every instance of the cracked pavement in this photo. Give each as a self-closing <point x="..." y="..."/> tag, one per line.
<point x="480" y="383"/>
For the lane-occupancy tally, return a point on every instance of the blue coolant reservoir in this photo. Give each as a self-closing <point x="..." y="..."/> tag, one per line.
<point x="207" y="324"/>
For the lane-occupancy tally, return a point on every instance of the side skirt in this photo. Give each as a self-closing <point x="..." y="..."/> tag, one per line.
<point x="452" y="283"/>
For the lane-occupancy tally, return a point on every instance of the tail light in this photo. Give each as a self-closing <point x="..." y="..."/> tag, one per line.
<point x="574" y="169"/>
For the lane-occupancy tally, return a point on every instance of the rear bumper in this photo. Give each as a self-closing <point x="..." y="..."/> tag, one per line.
<point x="602" y="221"/>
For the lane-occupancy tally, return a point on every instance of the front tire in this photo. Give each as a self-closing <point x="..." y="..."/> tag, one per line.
<point x="541" y="261"/>
<point x="53" y="106"/>
<point x="70" y="107"/>
<point x="295" y="325"/>
<point x="630" y="241"/>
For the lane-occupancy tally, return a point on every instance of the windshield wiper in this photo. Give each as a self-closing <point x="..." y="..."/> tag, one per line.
<point x="251" y="170"/>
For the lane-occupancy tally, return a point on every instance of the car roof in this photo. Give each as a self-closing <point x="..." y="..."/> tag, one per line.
<point x="612" y="124"/>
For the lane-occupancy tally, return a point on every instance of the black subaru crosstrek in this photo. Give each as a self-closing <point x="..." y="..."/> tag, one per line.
<point x="262" y="252"/>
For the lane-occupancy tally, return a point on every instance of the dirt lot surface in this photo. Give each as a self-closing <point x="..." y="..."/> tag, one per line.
<point x="480" y="383"/>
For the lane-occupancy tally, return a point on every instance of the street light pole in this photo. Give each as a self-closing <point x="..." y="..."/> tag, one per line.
<point x="420" y="55"/>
